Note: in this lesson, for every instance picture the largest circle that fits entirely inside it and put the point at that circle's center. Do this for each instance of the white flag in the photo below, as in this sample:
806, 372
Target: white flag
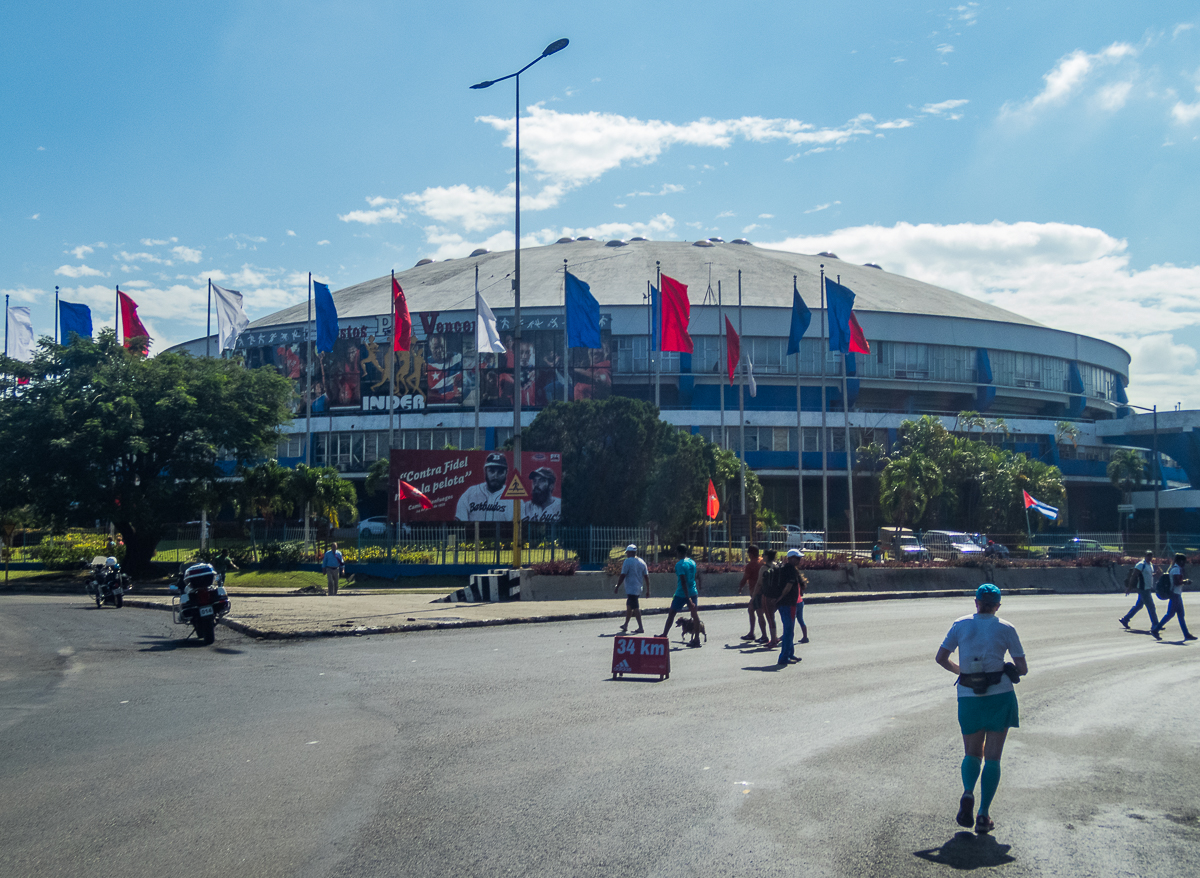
231, 317
487, 338
20, 334
750, 376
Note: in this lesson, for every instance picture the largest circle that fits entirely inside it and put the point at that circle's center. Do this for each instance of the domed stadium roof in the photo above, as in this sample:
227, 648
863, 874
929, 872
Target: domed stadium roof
617, 272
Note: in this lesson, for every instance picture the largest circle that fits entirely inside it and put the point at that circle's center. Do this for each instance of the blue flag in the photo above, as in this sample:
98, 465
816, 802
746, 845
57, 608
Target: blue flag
801, 318
327, 319
840, 301
655, 319
583, 315
74, 318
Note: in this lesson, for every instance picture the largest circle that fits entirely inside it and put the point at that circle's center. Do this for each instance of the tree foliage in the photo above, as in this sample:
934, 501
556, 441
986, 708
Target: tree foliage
1126, 470
102, 432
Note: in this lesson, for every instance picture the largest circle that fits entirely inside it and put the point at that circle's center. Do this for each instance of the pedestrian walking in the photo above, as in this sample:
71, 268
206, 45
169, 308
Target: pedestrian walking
749, 580
766, 592
333, 564
1175, 602
635, 576
791, 582
1143, 579
687, 593
987, 702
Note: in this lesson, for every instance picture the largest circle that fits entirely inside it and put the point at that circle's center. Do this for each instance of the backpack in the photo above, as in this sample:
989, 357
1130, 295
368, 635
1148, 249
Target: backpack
1162, 588
772, 586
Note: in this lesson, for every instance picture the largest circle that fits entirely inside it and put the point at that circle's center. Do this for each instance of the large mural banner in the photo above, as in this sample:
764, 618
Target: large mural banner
467, 485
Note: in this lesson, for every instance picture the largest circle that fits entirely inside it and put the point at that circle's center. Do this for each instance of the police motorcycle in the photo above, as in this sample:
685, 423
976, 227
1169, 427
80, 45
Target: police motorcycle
199, 599
108, 584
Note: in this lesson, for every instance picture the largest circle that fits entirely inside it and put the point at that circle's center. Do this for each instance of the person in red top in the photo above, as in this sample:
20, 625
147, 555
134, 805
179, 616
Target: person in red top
750, 578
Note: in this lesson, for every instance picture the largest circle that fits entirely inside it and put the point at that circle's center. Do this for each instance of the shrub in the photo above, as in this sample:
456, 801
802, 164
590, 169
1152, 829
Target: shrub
556, 568
282, 556
71, 550
240, 556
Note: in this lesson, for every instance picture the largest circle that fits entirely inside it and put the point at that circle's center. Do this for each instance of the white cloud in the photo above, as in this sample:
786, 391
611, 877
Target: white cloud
81, 251
1070, 277
78, 271
766, 216
944, 49
186, 254
1179, 28
725, 213
750, 228
896, 123
1185, 114
384, 210
322, 243
450, 245
1068, 77
1113, 96
821, 207
23, 294
125, 256
158, 242
290, 233
35, 216
475, 208
667, 189
945, 107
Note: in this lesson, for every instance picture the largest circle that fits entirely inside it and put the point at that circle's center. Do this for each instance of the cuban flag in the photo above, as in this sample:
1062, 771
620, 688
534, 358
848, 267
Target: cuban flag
1045, 508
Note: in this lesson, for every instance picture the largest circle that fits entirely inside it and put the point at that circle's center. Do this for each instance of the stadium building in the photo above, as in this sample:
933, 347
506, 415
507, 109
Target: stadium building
933, 351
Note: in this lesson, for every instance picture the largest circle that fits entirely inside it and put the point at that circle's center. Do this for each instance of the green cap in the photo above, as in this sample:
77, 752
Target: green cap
987, 594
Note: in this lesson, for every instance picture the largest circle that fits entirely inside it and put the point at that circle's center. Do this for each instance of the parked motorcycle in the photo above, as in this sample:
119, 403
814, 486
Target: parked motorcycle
199, 600
108, 584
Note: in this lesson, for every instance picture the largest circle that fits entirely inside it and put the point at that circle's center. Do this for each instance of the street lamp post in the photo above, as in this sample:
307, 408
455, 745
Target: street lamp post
556, 46
1157, 466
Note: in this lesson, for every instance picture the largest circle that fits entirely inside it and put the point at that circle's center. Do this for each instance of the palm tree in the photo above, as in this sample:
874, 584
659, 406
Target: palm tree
323, 492
1126, 470
999, 425
968, 420
1065, 431
264, 490
906, 486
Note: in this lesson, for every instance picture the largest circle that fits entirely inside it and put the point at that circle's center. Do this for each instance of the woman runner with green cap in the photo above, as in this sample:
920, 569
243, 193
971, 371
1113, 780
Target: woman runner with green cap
987, 703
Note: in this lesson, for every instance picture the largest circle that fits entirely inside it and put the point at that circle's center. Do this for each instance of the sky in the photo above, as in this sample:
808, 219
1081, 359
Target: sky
1041, 156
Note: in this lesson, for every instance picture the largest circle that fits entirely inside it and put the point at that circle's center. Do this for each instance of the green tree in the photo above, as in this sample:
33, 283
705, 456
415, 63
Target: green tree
1065, 431
104, 432
265, 489
1126, 470
906, 486
969, 420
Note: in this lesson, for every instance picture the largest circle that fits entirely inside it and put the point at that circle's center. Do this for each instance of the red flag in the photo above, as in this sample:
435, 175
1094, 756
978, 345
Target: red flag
401, 319
714, 505
131, 326
408, 492
676, 312
733, 349
858, 341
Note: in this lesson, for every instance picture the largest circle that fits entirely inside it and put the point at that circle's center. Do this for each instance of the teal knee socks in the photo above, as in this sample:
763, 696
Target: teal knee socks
991, 780
970, 772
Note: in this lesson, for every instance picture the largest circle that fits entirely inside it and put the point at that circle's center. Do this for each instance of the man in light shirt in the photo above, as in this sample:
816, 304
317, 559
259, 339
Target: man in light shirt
635, 576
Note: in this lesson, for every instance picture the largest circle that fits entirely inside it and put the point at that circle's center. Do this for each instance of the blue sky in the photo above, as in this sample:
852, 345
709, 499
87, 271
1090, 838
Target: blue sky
1041, 156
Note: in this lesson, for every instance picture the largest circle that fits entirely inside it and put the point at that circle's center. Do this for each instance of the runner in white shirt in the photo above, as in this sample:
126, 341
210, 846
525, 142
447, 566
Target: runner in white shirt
635, 576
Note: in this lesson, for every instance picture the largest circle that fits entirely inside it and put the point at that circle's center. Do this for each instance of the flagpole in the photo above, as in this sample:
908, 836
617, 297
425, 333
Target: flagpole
392, 370
849, 453
724, 357
308, 394
824, 429
566, 342
478, 356
56, 341
799, 436
649, 337
208, 320
741, 397
116, 314
658, 359
6, 329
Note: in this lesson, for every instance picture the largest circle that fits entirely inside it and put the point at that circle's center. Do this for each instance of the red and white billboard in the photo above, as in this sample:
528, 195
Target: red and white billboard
467, 485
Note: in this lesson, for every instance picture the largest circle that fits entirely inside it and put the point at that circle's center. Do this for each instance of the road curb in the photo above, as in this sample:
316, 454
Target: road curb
364, 630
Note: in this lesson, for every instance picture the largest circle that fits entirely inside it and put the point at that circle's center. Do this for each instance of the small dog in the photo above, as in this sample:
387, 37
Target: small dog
686, 627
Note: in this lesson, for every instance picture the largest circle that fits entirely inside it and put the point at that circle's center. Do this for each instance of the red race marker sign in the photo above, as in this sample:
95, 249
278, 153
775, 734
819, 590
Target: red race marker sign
641, 655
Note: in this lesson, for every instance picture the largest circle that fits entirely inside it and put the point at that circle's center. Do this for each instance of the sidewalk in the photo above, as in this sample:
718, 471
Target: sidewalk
290, 616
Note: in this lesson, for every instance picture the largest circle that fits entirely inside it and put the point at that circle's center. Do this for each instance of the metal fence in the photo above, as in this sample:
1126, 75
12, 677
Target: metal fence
492, 542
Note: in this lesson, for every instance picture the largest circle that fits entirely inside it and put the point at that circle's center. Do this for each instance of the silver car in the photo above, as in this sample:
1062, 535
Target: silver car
950, 544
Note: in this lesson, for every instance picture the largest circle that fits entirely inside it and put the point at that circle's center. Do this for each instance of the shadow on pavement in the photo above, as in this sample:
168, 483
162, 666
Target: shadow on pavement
966, 850
170, 644
774, 666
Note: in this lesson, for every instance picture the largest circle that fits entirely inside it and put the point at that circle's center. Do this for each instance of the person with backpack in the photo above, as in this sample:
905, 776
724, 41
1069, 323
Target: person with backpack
1141, 580
1175, 601
791, 585
767, 593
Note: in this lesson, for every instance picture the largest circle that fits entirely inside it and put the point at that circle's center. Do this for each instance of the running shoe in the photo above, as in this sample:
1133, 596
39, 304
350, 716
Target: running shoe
749, 636
984, 824
1123, 622
1189, 637
966, 810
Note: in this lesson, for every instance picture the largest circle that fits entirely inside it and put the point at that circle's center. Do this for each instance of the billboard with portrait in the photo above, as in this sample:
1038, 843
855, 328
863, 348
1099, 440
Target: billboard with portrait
467, 485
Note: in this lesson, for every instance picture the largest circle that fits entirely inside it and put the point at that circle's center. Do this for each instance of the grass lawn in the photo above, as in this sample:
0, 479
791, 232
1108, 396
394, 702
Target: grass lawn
291, 580
43, 576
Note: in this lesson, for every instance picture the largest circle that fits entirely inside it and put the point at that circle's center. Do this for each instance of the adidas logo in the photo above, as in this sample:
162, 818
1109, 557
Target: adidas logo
623, 667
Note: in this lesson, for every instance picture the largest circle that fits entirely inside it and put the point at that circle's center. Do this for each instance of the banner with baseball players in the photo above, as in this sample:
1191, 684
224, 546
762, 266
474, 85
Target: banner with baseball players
468, 485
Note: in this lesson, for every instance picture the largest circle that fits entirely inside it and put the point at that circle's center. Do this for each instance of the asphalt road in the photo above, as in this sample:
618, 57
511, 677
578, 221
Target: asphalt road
127, 751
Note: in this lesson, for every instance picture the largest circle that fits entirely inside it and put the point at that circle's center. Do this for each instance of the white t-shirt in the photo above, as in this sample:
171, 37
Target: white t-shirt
477, 503
1147, 569
1176, 587
552, 511
635, 571
981, 640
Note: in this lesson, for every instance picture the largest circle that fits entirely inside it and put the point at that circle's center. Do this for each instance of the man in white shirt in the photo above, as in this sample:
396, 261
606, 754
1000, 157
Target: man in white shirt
1145, 591
1175, 603
332, 564
635, 576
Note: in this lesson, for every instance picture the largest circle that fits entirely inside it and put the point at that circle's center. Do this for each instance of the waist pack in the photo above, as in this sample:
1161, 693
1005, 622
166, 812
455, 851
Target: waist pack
980, 683
1162, 588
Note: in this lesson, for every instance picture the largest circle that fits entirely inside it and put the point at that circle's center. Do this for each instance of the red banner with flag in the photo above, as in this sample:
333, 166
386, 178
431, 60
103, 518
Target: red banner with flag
676, 312
131, 326
858, 340
408, 492
733, 349
713, 506
401, 319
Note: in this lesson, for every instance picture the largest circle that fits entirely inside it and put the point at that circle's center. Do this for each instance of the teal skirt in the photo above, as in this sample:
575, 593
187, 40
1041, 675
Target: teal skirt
992, 713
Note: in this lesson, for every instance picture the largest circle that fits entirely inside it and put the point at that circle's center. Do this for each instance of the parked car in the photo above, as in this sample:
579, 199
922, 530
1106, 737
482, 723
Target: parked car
949, 544
911, 549
376, 526
1076, 548
797, 538
203, 528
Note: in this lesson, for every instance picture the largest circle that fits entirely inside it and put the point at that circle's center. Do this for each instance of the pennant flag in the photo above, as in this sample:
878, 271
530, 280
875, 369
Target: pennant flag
401, 319
858, 341
131, 326
676, 312
1045, 508
713, 506
750, 376
655, 319
327, 319
19, 334
840, 302
583, 315
487, 337
231, 317
408, 492
733, 349
801, 318
74, 318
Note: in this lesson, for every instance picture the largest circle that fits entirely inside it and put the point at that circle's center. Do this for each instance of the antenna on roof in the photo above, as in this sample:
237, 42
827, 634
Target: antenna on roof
710, 297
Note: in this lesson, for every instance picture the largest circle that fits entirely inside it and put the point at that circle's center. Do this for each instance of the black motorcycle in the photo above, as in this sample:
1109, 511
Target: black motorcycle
108, 585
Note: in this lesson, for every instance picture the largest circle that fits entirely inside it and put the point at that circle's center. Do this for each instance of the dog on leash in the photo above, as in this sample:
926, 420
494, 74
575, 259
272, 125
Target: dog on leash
694, 629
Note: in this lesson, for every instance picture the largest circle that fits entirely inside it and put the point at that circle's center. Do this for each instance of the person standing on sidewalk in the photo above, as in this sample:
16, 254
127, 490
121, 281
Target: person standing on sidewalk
1175, 603
750, 580
1145, 592
333, 564
687, 593
634, 576
791, 581
987, 702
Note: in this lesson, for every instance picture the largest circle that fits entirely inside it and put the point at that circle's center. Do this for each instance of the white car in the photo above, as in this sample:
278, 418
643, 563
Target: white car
375, 526
801, 539
949, 544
